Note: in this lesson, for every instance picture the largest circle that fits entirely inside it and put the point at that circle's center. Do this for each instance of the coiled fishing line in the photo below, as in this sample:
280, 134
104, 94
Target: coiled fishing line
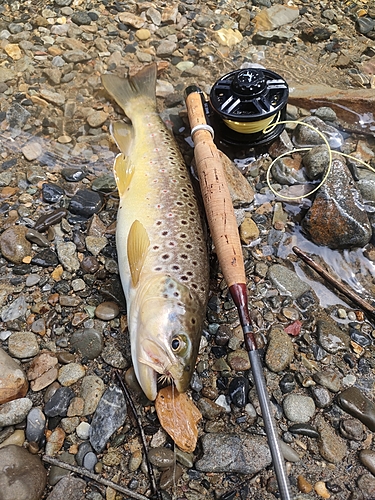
296, 150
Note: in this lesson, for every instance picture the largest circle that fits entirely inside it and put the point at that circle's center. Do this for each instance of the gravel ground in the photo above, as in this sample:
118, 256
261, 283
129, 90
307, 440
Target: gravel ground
61, 304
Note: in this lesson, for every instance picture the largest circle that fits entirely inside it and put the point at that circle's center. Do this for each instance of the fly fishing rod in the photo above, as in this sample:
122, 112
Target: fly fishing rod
224, 232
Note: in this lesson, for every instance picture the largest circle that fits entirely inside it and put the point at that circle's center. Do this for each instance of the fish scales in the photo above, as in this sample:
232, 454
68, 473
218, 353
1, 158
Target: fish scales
161, 248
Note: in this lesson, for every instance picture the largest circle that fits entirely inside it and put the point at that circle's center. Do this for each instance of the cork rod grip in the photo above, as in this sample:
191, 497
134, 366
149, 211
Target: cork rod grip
216, 196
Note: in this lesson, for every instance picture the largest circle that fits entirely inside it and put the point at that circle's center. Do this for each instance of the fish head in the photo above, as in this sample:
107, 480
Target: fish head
168, 334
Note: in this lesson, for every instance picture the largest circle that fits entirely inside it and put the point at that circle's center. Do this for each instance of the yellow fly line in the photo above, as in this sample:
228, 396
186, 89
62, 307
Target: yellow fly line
253, 127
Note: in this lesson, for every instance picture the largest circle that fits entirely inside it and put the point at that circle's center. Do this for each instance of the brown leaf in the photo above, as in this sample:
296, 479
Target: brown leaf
178, 416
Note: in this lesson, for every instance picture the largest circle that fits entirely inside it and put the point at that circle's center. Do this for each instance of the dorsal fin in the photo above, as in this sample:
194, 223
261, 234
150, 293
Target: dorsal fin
123, 134
138, 243
123, 171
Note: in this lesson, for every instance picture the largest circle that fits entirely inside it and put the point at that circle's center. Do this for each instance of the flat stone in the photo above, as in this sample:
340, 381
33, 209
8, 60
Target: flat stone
275, 17
131, 20
58, 404
23, 345
331, 337
22, 475
280, 350
367, 457
68, 487
35, 426
52, 97
348, 103
161, 457
107, 311
249, 231
97, 118
109, 416
13, 382
15, 411
179, 417
16, 309
13, 244
69, 374
67, 255
287, 281
298, 408
328, 379
95, 244
237, 453
88, 341
354, 402
55, 441
331, 446
32, 150
337, 203
92, 389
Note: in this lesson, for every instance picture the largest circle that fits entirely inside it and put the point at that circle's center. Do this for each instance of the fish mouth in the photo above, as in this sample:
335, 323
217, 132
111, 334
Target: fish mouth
150, 371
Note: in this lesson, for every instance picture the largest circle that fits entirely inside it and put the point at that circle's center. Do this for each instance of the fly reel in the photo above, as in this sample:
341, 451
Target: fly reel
246, 106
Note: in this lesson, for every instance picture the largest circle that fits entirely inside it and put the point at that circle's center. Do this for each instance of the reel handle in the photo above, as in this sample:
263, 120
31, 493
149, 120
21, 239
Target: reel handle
215, 192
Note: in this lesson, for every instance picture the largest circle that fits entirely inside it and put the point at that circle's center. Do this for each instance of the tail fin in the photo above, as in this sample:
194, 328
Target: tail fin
143, 84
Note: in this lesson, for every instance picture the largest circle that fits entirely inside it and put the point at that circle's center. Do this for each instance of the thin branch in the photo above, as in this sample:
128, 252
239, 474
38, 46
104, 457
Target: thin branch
150, 469
95, 477
363, 304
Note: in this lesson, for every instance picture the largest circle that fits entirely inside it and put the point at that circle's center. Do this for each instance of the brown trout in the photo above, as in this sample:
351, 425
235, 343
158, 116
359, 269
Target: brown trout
162, 253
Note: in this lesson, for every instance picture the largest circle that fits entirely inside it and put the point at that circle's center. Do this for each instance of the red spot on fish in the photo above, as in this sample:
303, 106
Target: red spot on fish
294, 328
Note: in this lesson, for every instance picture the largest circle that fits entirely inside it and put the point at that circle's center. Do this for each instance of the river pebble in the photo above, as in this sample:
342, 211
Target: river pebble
16, 309
108, 417
86, 203
35, 425
24, 476
58, 404
280, 350
331, 337
55, 441
233, 453
13, 382
354, 402
328, 379
161, 457
91, 391
351, 429
74, 485
367, 457
88, 341
298, 408
15, 411
69, 374
23, 345
331, 447
13, 244
107, 310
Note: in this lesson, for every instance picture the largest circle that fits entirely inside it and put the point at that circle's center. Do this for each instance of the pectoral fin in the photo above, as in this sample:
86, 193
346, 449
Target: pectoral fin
123, 171
138, 244
123, 134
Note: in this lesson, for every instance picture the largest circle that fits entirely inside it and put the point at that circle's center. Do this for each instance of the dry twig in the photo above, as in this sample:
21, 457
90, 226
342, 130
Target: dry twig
95, 477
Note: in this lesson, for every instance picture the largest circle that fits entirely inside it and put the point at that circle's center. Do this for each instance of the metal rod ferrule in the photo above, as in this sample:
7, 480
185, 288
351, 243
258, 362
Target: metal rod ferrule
269, 424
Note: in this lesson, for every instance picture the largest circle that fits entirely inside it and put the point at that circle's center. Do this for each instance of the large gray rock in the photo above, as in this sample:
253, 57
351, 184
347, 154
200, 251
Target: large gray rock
239, 453
22, 475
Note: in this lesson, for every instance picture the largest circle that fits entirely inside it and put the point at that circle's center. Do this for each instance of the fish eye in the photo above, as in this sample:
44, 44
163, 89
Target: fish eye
179, 344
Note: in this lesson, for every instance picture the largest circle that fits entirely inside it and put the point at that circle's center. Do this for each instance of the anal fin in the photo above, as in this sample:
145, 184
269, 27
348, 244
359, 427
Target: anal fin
138, 244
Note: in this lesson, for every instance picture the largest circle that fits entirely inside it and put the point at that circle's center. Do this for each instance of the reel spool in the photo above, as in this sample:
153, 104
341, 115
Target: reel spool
245, 102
